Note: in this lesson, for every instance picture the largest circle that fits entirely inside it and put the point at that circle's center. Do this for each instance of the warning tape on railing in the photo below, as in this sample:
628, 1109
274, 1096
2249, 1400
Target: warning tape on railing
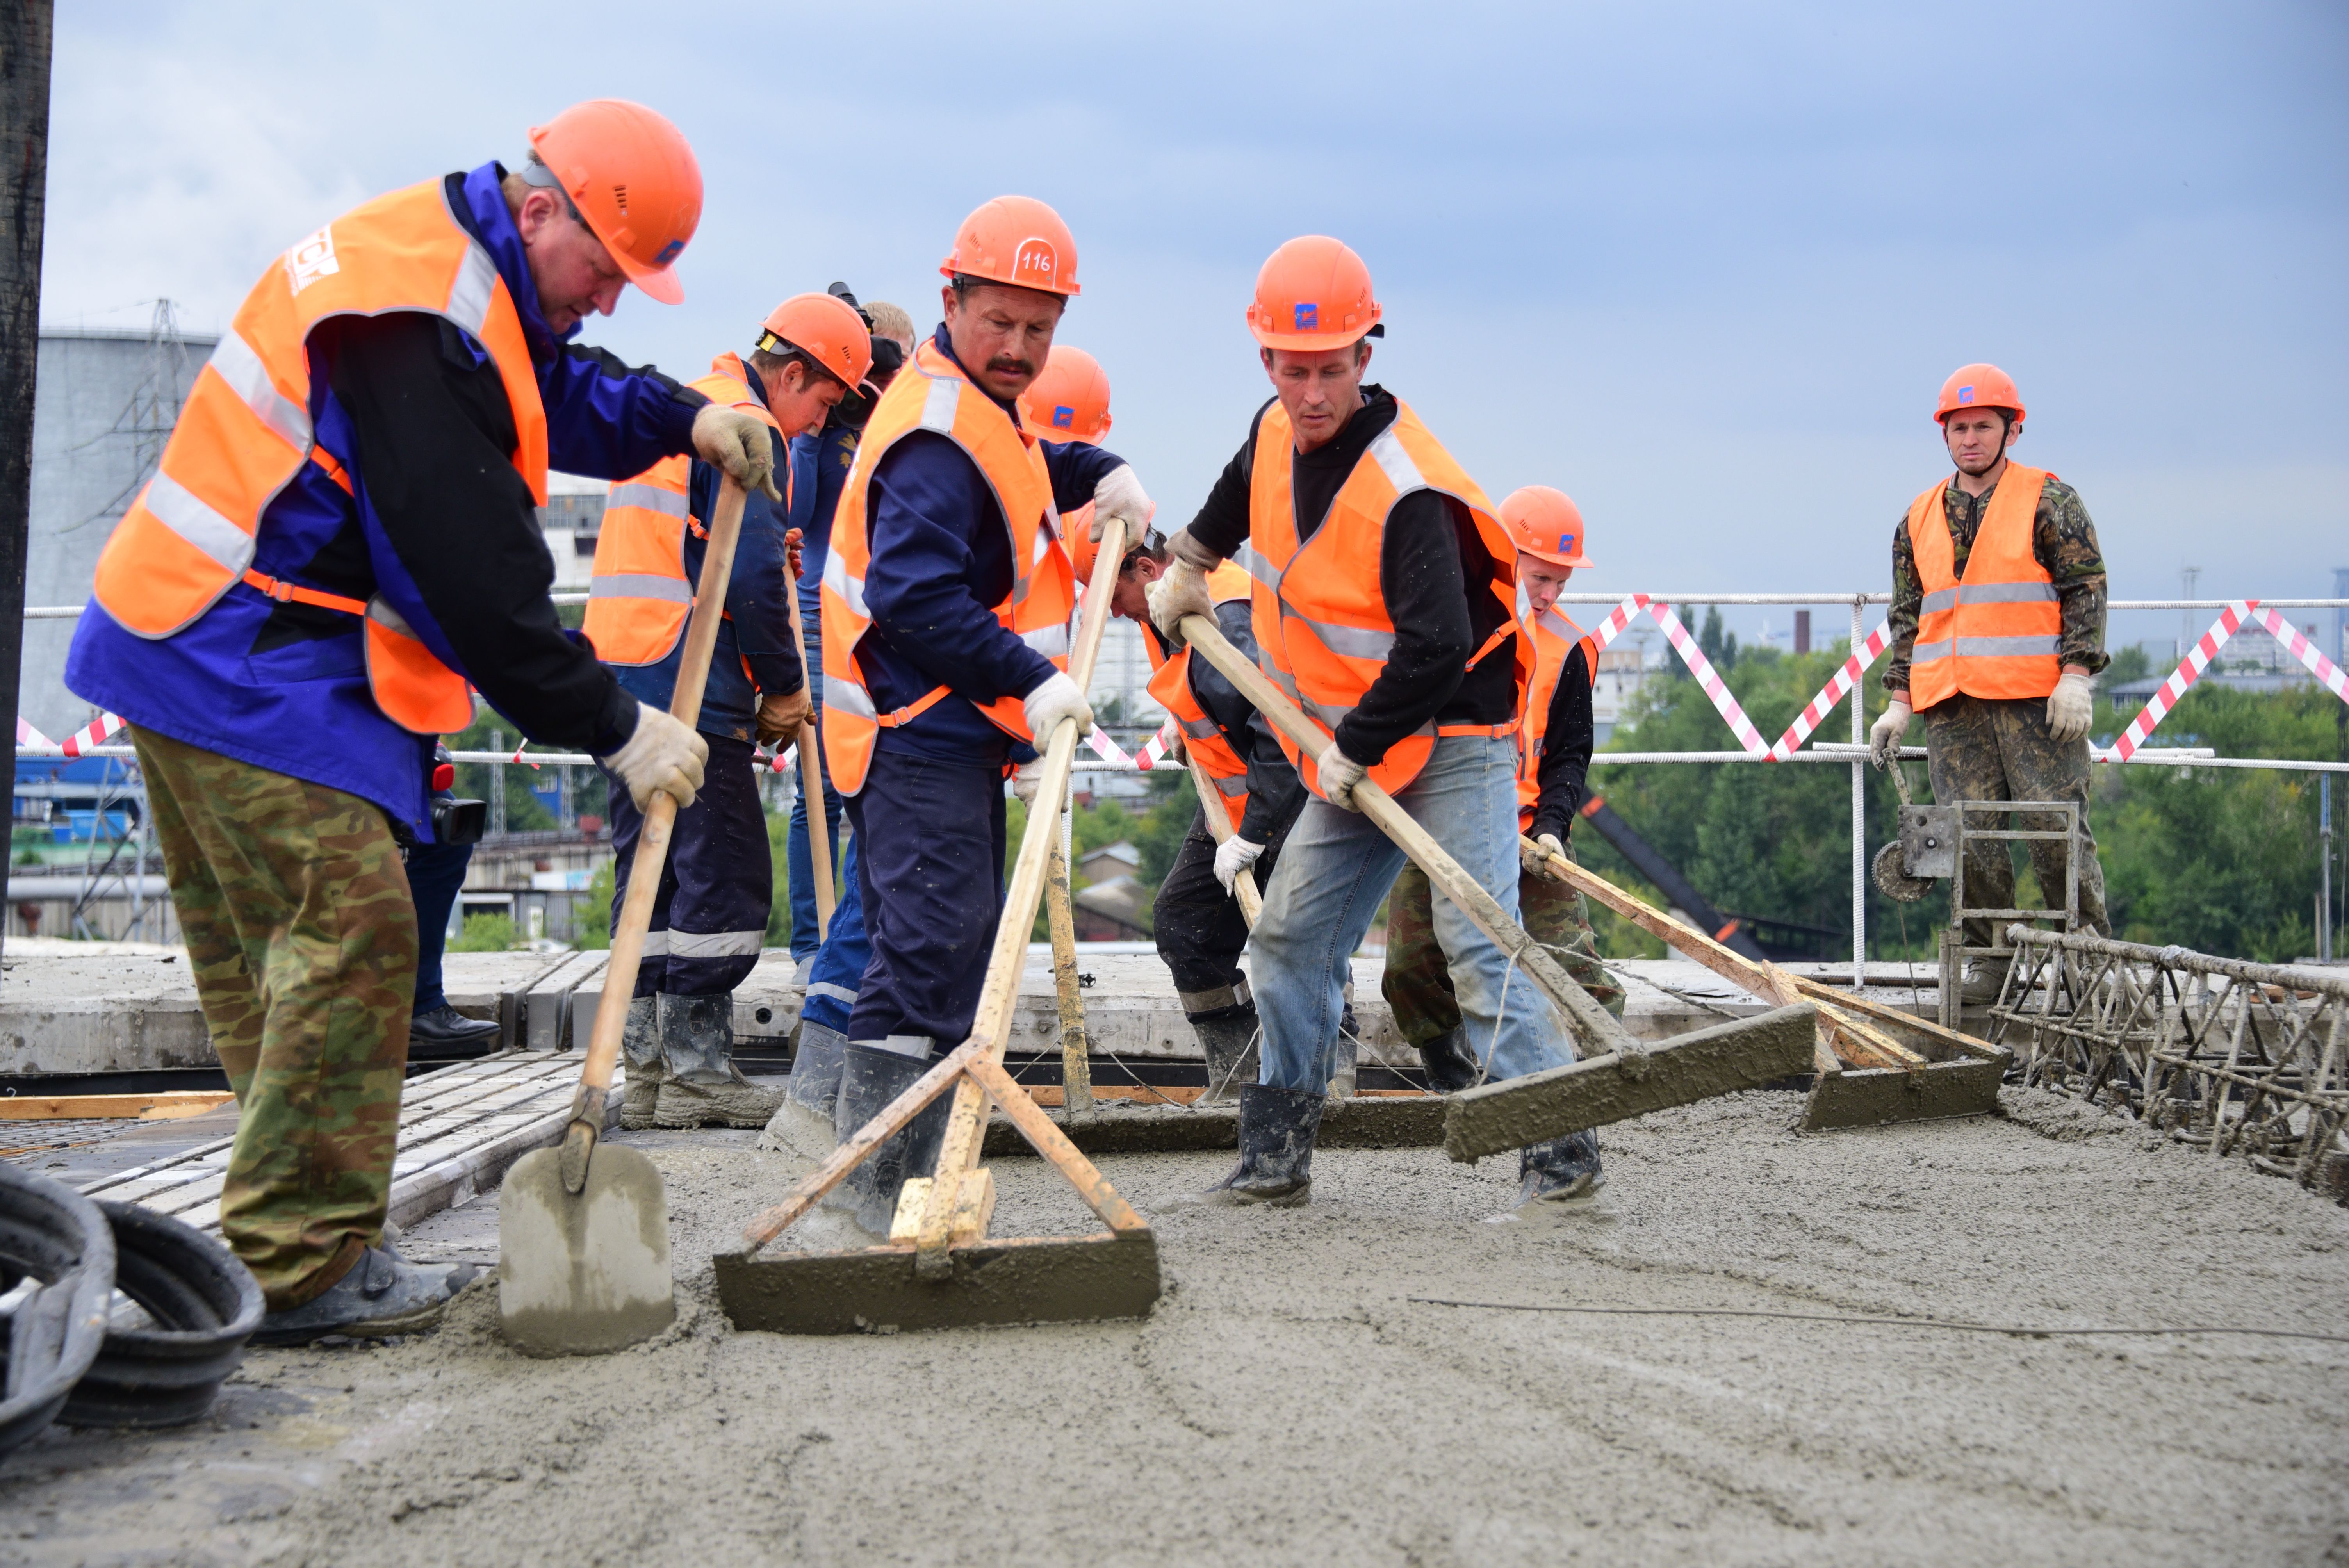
2232, 619
1707, 678
1833, 693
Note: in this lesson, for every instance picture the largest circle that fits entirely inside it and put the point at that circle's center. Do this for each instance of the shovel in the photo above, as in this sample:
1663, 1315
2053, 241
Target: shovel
583, 1232
811, 789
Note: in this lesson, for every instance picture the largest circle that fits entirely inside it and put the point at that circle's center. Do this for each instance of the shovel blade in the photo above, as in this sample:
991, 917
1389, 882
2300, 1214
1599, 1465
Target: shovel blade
586, 1273
1745, 1054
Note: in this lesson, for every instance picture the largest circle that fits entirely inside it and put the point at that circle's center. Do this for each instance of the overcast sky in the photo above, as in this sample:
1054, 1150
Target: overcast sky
1703, 267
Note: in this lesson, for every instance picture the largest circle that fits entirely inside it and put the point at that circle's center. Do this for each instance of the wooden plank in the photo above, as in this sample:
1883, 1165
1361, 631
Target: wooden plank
169, 1104
1054, 1145
1076, 1051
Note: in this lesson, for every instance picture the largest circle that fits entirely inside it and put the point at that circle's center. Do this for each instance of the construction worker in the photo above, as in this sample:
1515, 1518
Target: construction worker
1384, 600
709, 917
1997, 628
946, 600
340, 536
1554, 762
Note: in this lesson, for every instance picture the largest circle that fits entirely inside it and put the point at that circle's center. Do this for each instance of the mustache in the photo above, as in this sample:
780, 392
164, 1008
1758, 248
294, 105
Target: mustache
1011, 365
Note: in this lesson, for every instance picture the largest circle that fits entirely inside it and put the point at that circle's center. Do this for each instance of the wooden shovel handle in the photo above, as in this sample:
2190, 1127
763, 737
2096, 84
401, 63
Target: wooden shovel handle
811, 789
1219, 827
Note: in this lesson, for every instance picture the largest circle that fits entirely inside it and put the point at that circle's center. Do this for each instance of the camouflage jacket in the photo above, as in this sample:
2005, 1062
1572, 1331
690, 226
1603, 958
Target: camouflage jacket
2063, 540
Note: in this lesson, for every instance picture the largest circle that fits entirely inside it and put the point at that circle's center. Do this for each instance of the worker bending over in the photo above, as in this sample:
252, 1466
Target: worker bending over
946, 600
1553, 752
1384, 600
710, 916
340, 536
1998, 623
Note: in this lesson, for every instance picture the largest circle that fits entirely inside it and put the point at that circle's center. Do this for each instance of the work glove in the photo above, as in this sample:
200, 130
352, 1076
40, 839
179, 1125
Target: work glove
1027, 778
792, 554
1884, 735
1340, 773
779, 717
1120, 494
1535, 857
1055, 700
1182, 591
1233, 856
662, 754
729, 440
2072, 708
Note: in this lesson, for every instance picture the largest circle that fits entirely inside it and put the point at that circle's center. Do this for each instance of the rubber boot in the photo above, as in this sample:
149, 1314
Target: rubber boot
1979, 985
1450, 1067
870, 1078
1344, 1056
1227, 1037
704, 1087
1562, 1173
1277, 1127
640, 1044
803, 1124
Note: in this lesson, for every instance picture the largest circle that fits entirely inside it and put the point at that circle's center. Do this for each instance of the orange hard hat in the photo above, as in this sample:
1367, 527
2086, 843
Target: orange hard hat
1312, 293
1546, 522
1978, 386
1069, 401
1015, 240
827, 329
635, 181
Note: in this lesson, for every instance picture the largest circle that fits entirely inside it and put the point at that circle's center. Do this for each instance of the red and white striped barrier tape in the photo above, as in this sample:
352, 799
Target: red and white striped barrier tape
28, 736
98, 732
2189, 670
2295, 642
1834, 692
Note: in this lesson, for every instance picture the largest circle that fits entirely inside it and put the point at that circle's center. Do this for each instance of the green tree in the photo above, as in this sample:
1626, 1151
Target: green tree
486, 933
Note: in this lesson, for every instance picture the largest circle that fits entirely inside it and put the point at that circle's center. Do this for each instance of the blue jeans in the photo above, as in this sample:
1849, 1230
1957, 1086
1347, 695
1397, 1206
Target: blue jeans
838, 973
798, 858
1334, 872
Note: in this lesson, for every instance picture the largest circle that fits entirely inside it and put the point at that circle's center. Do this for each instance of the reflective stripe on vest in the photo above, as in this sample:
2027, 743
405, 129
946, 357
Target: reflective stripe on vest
1323, 634
245, 431
1996, 632
639, 596
932, 393
1204, 740
1554, 638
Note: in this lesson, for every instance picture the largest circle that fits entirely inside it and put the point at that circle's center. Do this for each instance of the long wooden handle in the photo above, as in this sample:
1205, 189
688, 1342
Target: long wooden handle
1597, 1030
652, 847
1219, 827
811, 789
1076, 1051
1000, 994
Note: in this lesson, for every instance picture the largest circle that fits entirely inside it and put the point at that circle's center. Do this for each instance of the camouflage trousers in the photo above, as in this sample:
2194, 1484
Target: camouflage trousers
1981, 749
1417, 984
302, 936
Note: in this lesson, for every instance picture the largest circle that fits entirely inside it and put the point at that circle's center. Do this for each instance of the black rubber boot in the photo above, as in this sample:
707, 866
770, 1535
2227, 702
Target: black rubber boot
1277, 1127
640, 1044
870, 1078
704, 1087
1563, 1171
1227, 1036
803, 1124
1450, 1068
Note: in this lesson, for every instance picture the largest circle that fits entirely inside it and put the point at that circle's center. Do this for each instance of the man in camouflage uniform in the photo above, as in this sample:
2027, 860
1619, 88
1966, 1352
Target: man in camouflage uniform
2004, 747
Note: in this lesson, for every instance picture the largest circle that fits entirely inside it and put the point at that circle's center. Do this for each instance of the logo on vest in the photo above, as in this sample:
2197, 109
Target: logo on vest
1309, 318
1036, 259
312, 259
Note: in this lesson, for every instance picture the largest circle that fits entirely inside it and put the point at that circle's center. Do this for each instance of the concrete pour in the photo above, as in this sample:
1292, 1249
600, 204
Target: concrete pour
1288, 1402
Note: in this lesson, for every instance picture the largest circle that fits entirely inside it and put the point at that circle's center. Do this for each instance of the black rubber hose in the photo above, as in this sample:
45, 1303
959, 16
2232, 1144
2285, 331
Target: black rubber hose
205, 1305
51, 1233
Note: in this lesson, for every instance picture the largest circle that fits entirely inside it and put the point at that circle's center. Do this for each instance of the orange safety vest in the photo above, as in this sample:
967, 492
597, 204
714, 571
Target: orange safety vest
1323, 634
1203, 738
932, 393
639, 596
1554, 638
1996, 633
245, 432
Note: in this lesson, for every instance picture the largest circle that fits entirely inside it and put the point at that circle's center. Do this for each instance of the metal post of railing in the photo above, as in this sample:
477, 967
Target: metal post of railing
1859, 816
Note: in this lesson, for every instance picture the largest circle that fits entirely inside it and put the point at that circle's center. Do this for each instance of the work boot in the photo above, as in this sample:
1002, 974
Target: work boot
1275, 1170
445, 1034
704, 1087
803, 1124
1227, 1037
1561, 1173
640, 1044
870, 1078
381, 1295
1981, 983
1450, 1067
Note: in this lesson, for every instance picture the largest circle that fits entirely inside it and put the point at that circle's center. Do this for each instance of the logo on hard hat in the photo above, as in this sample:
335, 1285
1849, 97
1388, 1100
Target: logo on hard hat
1063, 417
1965, 393
1307, 317
1038, 257
1566, 544
668, 253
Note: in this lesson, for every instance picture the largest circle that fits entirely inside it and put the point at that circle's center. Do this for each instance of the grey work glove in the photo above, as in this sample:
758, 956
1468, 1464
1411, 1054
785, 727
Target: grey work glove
1339, 773
1049, 703
1884, 735
1233, 856
1182, 591
729, 440
664, 754
1120, 494
2072, 708
1535, 857
1027, 778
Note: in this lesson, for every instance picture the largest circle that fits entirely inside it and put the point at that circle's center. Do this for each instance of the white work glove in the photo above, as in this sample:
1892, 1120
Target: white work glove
2072, 708
1120, 494
1340, 773
729, 440
664, 754
1182, 590
1884, 735
1233, 856
1027, 778
1536, 857
1056, 700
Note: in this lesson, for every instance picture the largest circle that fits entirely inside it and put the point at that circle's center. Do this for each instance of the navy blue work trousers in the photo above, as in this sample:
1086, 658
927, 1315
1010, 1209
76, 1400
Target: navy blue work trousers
435, 874
710, 919
929, 862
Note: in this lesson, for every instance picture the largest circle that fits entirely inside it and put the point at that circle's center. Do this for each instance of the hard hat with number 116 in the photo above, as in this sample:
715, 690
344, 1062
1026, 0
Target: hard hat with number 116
1016, 239
635, 181
1547, 523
